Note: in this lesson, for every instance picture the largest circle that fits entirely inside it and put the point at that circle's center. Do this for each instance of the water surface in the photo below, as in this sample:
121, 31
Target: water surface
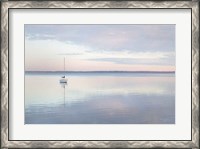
100, 98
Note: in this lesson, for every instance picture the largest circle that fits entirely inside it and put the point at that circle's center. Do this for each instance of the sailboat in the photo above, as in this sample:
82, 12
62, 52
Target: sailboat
63, 78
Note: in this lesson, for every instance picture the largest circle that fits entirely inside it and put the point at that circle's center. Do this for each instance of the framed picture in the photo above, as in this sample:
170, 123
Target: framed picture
99, 74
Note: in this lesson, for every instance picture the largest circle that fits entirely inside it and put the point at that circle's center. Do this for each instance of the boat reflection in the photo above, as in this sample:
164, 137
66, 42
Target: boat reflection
63, 84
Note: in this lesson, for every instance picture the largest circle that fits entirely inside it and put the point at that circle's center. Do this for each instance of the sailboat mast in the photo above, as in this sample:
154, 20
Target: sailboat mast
64, 64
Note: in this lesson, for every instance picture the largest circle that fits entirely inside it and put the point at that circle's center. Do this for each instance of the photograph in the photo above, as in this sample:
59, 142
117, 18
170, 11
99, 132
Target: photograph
99, 73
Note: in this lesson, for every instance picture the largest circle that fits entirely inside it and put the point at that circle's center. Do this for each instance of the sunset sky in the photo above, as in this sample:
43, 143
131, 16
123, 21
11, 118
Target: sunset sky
100, 47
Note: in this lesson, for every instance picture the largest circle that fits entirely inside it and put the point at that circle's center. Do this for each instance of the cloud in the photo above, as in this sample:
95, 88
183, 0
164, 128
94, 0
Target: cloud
70, 54
39, 36
120, 46
109, 37
132, 61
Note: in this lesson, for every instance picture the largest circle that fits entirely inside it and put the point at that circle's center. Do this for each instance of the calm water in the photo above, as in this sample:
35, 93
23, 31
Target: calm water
100, 98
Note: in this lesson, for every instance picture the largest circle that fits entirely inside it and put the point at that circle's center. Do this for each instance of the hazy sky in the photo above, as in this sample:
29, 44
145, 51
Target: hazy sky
100, 47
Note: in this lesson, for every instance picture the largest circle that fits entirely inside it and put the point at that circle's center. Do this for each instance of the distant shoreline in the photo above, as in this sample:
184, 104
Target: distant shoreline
99, 71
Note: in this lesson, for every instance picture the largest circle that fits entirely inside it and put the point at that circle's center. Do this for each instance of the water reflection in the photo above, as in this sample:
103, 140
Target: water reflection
100, 99
63, 84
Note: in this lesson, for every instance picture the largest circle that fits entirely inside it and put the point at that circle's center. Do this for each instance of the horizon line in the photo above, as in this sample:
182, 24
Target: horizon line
98, 71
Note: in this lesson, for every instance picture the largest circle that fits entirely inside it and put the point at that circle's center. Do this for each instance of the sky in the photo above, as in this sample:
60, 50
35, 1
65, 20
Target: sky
100, 47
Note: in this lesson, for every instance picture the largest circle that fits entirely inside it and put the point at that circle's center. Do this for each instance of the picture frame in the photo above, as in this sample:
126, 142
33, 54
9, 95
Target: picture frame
7, 6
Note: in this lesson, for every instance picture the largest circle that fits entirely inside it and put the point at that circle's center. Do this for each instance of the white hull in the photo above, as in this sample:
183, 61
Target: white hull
63, 80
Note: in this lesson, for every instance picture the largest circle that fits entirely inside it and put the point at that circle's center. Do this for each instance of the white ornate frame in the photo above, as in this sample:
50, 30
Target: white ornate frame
6, 143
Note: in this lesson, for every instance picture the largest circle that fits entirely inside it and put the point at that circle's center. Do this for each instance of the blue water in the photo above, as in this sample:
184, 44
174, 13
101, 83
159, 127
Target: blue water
100, 98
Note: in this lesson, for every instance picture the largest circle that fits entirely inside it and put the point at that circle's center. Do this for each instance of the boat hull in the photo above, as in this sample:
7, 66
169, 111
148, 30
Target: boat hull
63, 80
